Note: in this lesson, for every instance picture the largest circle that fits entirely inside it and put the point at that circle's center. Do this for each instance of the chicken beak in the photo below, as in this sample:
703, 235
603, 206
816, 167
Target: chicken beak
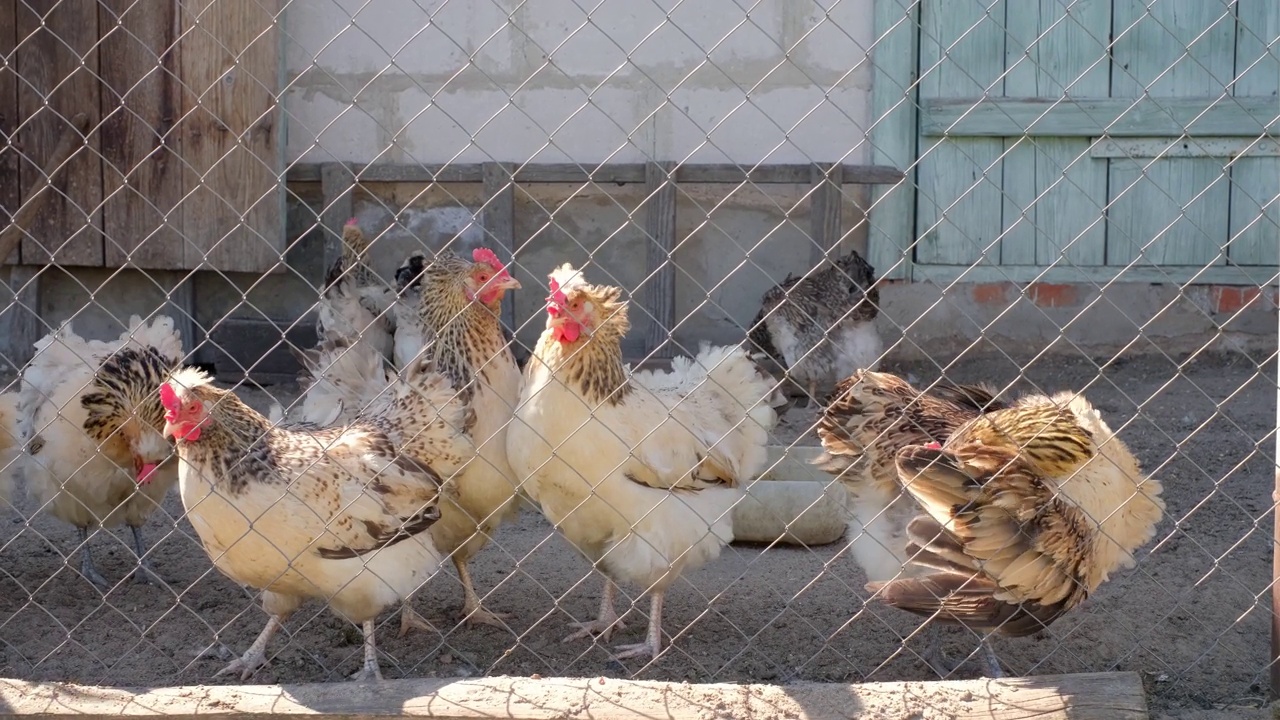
507, 283
168, 431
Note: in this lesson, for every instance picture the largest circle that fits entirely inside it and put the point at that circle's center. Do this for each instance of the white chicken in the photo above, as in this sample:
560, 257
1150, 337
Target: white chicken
639, 471
85, 452
339, 514
355, 304
10, 445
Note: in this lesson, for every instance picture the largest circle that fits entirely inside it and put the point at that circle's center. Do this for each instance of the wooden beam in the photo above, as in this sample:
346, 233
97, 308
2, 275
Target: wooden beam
825, 205
500, 223
1093, 117
891, 232
1255, 276
619, 174
20, 322
337, 187
1092, 696
660, 278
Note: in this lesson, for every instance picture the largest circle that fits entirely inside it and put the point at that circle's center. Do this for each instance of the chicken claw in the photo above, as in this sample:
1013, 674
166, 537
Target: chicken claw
606, 622
256, 656
370, 671
480, 616
411, 620
652, 646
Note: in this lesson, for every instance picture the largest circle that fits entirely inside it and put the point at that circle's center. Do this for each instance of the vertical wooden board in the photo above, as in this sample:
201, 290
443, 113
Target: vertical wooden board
826, 205
500, 223
142, 170
1023, 28
57, 59
960, 199
1071, 186
1172, 48
660, 286
891, 236
10, 189
1255, 182
229, 66
1174, 224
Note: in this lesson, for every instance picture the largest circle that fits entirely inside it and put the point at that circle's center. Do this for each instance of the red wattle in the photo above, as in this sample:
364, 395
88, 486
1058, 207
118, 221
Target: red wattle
145, 473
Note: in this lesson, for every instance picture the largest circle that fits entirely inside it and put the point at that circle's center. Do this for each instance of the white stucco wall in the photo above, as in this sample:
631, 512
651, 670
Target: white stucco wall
474, 80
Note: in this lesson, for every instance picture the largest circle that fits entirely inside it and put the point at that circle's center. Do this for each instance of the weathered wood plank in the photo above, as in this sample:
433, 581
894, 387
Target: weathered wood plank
142, 174
1054, 192
1212, 114
43, 191
620, 173
825, 205
229, 66
1062, 273
1170, 212
20, 323
1172, 147
1255, 180
58, 62
892, 227
1092, 696
11, 189
337, 188
660, 282
500, 223
959, 210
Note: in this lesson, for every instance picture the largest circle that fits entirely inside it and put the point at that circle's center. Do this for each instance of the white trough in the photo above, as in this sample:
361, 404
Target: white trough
793, 503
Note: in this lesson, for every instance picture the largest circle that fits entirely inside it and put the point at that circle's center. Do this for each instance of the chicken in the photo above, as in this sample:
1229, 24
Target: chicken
340, 514
1027, 510
355, 303
871, 416
411, 336
460, 301
91, 458
821, 326
639, 471
10, 446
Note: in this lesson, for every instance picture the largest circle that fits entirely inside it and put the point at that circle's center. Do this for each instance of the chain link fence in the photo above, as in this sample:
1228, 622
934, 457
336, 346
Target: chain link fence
1069, 195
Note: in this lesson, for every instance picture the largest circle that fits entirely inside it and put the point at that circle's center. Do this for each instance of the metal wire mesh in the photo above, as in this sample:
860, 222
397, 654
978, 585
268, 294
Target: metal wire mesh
1063, 195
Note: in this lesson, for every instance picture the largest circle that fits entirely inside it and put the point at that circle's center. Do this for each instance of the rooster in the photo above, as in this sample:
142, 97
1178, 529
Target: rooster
1027, 509
639, 471
821, 326
459, 306
91, 458
355, 303
341, 514
871, 416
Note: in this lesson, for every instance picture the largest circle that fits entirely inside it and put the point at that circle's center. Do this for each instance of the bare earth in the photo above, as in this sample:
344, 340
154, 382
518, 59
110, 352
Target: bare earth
1192, 618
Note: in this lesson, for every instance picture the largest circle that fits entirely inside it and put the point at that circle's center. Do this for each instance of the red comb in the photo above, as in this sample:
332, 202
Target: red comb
933, 446
487, 256
352, 221
557, 295
168, 398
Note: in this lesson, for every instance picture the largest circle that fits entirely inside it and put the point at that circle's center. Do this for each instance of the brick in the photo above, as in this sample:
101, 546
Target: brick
1230, 299
1053, 295
992, 293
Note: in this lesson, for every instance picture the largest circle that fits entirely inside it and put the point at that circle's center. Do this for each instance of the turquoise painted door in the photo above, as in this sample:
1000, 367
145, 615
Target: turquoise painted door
1097, 138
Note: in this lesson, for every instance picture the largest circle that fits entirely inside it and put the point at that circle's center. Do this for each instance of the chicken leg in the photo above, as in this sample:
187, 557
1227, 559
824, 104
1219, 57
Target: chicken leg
143, 573
606, 621
411, 620
370, 670
87, 568
472, 613
256, 656
652, 645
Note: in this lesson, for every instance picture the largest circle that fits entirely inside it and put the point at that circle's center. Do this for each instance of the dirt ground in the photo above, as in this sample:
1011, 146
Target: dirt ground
1192, 618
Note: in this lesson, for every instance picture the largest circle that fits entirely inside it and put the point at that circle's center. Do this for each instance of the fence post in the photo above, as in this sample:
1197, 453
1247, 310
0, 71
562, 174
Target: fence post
660, 283
500, 220
1275, 556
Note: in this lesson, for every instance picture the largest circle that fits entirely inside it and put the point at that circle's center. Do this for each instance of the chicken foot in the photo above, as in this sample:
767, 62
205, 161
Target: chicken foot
143, 573
606, 622
472, 613
87, 568
370, 671
652, 645
411, 620
941, 664
256, 656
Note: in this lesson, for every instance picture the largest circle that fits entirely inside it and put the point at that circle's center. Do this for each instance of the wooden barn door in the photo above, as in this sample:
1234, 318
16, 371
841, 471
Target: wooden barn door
1099, 136
183, 160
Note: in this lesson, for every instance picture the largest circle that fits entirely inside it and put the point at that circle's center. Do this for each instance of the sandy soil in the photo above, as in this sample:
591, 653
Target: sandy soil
1193, 617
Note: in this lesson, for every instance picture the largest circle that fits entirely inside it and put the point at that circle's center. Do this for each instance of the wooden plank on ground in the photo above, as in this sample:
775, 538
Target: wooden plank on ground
1092, 696
57, 58
499, 222
660, 276
228, 62
826, 201
142, 169
1255, 181
1170, 212
11, 190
